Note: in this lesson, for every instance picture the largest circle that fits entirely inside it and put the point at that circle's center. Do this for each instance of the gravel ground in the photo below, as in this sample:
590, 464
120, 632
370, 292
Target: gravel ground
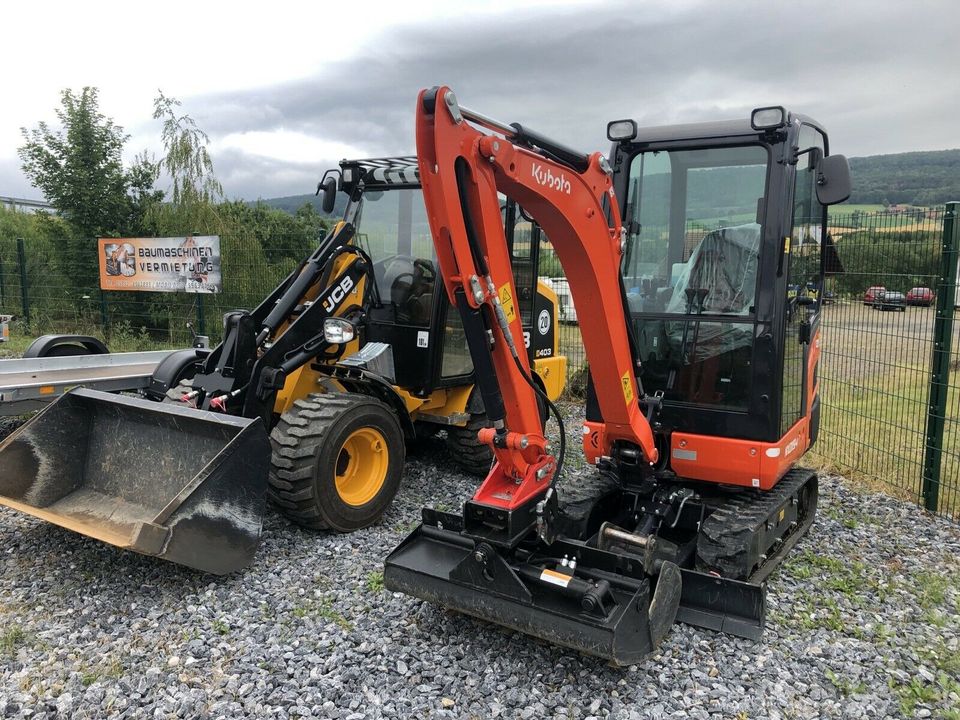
863, 622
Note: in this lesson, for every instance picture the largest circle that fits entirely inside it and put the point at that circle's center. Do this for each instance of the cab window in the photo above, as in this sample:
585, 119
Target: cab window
393, 229
694, 230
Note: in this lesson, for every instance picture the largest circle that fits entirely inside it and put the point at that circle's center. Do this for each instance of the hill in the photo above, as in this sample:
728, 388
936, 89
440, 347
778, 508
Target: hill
292, 203
911, 178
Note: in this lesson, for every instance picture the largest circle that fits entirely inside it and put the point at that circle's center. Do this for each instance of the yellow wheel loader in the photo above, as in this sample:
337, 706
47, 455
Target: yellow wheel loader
309, 399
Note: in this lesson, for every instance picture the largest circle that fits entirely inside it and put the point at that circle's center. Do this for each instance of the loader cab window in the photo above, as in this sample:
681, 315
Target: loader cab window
694, 225
392, 228
523, 239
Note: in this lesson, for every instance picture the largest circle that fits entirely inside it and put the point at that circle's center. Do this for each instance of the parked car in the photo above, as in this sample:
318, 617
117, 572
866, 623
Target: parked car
872, 293
890, 300
922, 296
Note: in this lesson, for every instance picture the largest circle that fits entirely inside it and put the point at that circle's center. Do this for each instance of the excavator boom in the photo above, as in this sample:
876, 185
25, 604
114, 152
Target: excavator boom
462, 170
480, 563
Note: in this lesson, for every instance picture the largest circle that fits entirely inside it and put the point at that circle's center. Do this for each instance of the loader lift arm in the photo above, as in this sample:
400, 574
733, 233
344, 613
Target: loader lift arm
462, 170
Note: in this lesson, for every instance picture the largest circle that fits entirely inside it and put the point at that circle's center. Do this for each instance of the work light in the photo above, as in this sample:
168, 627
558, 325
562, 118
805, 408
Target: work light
338, 331
768, 118
620, 130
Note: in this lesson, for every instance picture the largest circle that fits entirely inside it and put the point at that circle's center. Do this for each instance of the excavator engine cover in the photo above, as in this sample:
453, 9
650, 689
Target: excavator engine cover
173, 482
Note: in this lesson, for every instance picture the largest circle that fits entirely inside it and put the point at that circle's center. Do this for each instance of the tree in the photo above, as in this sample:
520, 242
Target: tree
195, 191
79, 169
186, 161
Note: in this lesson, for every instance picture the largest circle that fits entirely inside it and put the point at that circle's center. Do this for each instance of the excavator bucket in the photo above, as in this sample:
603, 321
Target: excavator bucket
173, 482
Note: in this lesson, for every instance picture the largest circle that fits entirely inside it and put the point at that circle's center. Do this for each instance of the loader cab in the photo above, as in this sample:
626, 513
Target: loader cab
410, 309
725, 223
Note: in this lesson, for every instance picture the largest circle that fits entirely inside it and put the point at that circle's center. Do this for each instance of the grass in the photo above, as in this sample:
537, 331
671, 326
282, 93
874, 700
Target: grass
11, 639
113, 671
121, 338
937, 592
375, 581
843, 685
945, 665
845, 209
324, 610
875, 379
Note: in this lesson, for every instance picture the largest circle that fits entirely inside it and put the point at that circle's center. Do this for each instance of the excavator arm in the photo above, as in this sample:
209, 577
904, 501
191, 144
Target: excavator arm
570, 195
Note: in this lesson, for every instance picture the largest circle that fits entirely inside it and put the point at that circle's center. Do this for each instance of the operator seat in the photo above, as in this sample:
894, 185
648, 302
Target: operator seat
410, 285
724, 265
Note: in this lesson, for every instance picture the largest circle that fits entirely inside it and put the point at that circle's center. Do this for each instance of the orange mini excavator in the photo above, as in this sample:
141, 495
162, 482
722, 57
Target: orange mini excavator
683, 257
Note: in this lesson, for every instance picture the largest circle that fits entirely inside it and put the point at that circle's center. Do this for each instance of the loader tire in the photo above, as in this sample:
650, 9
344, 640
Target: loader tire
337, 461
466, 450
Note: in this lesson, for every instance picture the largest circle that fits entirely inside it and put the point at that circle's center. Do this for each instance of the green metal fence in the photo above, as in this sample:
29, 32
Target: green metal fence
890, 376
51, 286
890, 403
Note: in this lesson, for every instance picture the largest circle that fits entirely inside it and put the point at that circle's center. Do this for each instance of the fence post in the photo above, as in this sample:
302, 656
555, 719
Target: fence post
104, 313
3, 285
24, 291
940, 360
201, 320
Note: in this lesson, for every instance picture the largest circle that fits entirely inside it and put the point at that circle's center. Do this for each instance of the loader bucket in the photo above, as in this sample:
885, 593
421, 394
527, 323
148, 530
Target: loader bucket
173, 482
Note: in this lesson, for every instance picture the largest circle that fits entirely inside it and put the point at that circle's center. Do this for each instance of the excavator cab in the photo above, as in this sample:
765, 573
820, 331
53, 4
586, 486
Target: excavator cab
722, 220
679, 251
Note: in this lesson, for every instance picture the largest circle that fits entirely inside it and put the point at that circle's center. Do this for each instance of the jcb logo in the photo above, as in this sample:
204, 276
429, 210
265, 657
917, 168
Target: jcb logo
338, 293
546, 177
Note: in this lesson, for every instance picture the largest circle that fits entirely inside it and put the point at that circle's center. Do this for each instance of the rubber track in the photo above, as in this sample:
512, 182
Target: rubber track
466, 450
294, 440
726, 541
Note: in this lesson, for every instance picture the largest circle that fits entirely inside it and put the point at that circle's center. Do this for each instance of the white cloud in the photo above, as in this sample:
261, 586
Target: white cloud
286, 145
286, 89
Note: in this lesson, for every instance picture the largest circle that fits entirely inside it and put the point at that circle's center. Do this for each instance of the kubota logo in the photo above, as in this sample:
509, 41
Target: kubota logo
339, 293
546, 177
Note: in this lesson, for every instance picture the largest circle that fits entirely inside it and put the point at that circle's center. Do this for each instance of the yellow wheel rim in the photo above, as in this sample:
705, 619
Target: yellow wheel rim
362, 466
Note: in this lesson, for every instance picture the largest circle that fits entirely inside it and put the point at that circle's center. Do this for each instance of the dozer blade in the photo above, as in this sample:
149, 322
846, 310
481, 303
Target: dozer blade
173, 482
438, 564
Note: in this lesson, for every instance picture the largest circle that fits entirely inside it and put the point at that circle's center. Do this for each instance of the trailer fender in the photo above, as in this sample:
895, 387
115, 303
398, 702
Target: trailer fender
177, 366
64, 345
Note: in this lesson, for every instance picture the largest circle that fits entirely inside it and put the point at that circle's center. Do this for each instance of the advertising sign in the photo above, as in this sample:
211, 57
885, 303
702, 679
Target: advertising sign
172, 264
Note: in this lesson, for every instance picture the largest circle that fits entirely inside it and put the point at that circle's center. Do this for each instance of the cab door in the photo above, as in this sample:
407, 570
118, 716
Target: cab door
804, 287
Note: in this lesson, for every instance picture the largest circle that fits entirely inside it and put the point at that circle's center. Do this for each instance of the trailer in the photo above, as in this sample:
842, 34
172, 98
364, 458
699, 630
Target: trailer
28, 384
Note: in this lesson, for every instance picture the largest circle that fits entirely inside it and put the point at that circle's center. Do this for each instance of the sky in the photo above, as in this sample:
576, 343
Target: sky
285, 90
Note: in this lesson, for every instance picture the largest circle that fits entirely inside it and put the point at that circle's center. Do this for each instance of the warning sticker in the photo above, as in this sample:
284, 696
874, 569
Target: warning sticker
627, 387
506, 299
555, 578
786, 245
